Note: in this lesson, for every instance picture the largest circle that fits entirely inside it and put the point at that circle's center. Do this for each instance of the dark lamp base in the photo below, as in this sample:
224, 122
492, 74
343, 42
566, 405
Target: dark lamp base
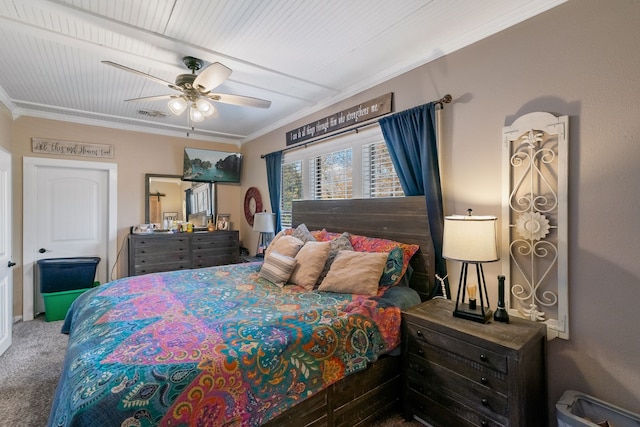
464, 312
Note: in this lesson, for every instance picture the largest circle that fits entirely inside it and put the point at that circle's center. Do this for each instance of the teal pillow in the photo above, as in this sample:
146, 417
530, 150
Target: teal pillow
393, 269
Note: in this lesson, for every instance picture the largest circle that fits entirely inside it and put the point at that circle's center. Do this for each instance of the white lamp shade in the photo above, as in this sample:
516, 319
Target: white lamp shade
470, 238
205, 107
195, 114
264, 222
177, 105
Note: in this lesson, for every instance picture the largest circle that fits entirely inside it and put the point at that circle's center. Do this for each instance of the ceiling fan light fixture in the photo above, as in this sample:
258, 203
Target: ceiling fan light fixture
178, 105
195, 115
205, 107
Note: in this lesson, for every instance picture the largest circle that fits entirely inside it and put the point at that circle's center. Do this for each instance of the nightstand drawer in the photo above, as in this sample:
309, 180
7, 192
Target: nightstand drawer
476, 355
479, 375
442, 411
421, 375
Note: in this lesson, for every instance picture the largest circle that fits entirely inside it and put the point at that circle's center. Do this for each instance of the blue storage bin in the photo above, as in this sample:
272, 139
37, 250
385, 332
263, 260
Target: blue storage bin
575, 409
66, 274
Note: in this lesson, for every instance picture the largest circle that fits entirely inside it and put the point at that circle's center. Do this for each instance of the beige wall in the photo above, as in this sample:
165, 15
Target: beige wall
135, 154
580, 59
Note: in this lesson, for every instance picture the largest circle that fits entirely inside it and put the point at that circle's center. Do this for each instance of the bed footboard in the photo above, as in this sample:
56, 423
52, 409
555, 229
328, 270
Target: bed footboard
354, 401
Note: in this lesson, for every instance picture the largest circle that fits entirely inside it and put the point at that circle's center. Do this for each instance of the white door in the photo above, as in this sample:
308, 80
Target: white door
69, 216
6, 282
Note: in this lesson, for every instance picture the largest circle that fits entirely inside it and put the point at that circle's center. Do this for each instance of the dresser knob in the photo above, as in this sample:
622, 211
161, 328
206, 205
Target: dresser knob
419, 333
142, 252
485, 402
484, 423
421, 352
483, 357
484, 380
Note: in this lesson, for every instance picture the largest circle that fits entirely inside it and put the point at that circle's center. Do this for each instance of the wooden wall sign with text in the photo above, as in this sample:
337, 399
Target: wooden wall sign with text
69, 148
351, 116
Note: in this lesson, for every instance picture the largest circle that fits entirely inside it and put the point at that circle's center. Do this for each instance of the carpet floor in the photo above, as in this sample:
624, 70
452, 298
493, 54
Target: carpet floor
30, 369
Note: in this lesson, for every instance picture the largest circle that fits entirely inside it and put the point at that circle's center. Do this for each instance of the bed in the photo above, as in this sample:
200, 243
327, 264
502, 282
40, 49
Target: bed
224, 346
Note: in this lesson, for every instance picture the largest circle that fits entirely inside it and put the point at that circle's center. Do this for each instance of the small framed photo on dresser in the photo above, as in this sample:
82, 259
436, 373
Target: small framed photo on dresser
222, 221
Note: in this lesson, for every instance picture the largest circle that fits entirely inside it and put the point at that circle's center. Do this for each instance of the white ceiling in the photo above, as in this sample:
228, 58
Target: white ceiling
300, 55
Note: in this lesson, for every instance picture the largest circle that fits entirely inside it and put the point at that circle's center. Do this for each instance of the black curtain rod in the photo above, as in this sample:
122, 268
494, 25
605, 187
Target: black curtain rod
444, 100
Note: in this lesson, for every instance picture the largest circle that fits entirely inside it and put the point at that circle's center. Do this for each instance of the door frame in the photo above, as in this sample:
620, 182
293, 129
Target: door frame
29, 238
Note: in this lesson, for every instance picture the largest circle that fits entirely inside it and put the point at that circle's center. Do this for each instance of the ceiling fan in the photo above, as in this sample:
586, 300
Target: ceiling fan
195, 89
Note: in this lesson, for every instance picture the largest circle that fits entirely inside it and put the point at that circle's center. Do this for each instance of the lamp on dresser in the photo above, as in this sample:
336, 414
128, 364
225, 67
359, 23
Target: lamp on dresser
472, 240
263, 223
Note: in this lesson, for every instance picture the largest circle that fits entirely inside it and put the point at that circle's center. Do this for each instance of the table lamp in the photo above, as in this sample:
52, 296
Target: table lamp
471, 240
263, 223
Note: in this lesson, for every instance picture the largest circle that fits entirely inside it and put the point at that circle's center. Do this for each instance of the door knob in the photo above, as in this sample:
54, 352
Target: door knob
42, 250
10, 264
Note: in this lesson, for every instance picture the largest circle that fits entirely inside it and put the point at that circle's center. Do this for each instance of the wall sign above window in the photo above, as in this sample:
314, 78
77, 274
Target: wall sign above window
70, 148
351, 116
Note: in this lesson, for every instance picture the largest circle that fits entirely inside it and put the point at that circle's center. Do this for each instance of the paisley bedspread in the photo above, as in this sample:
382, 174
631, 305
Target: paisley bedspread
210, 347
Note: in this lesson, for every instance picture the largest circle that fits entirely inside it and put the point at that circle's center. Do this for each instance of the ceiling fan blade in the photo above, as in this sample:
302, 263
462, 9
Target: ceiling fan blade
149, 98
211, 77
245, 101
140, 73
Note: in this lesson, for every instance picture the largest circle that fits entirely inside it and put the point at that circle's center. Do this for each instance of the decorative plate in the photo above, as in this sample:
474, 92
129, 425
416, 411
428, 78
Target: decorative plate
252, 204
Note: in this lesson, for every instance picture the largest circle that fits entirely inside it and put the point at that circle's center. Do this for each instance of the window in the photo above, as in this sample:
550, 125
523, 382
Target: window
379, 177
291, 189
331, 175
356, 165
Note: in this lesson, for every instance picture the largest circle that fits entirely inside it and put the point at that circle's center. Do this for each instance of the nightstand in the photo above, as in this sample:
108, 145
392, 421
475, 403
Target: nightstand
462, 373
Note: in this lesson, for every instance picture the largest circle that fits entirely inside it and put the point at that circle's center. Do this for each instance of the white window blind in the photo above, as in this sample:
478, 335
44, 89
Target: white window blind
379, 177
331, 175
291, 189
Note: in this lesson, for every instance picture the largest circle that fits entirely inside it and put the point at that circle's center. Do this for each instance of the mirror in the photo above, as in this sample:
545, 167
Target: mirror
169, 197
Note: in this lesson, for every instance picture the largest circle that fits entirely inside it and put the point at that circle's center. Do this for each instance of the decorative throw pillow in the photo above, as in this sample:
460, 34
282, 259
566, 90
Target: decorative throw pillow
341, 243
393, 269
355, 273
285, 245
372, 244
311, 259
277, 268
302, 233
324, 235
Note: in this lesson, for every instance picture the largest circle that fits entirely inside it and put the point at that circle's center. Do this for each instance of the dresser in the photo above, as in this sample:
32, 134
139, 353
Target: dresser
152, 253
461, 373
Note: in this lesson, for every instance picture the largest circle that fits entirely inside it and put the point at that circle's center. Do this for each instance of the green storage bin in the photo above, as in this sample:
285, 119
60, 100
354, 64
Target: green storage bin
56, 304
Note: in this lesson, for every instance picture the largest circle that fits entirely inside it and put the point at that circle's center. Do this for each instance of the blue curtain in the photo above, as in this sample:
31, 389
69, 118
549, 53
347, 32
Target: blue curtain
274, 180
410, 136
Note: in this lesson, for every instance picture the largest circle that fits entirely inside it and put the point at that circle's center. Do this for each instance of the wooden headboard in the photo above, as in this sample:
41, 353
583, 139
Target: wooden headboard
403, 219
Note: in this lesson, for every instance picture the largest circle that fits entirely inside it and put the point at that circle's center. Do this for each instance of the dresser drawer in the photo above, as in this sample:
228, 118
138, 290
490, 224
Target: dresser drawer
422, 375
152, 246
442, 411
216, 239
478, 356
161, 258
157, 268
211, 261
